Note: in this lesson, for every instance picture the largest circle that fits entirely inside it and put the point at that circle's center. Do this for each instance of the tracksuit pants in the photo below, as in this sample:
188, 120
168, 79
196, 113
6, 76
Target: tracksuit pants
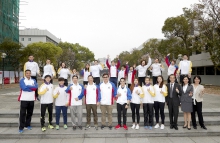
148, 114
135, 108
76, 112
159, 107
49, 108
26, 112
121, 108
64, 112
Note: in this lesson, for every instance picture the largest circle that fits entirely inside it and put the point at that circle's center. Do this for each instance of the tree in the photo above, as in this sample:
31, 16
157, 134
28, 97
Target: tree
41, 52
13, 52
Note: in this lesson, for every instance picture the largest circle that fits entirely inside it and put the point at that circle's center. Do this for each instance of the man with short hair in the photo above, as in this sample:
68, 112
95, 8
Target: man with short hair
34, 68
27, 97
49, 70
95, 69
107, 93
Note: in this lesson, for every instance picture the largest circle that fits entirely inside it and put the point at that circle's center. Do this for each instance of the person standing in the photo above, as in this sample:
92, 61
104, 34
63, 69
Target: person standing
122, 73
123, 100
34, 68
64, 72
113, 70
91, 99
107, 93
148, 104
172, 68
156, 69
61, 103
185, 69
85, 73
137, 95
76, 93
142, 70
173, 101
197, 102
49, 70
131, 75
186, 101
95, 69
27, 97
46, 93
159, 101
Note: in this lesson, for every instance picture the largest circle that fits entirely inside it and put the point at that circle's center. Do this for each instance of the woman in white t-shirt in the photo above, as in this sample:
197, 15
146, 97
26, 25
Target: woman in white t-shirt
64, 72
85, 73
137, 94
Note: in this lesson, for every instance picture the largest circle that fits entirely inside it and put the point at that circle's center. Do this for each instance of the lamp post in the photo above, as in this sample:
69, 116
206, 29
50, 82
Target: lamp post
3, 56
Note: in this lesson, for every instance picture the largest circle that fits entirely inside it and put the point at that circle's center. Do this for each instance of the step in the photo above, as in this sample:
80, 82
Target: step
13, 122
15, 113
36, 133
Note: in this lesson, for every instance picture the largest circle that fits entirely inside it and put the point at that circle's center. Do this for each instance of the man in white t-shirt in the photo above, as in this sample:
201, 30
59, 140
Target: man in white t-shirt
95, 69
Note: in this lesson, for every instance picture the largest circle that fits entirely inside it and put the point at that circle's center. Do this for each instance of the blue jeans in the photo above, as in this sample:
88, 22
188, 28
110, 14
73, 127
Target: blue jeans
64, 112
114, 80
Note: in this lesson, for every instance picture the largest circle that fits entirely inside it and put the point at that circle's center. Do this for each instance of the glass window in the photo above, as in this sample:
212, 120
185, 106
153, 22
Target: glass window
200, 70
210, 70
29, 39
22, 39
193, 71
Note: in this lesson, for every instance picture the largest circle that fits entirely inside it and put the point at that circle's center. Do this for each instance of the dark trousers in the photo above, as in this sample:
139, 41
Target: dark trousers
26, 112
182, 77
36, 91
114, 80
64, 112
135, 110
148, 114
124, 111
49, 108
141, 80
129, 85
85, 82
173, 112
93, 108
66, 82
197, 108
154, 80
96, 80
159, 107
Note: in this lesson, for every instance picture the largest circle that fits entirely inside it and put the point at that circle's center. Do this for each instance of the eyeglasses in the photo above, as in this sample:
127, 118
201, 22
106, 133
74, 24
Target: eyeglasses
104, 77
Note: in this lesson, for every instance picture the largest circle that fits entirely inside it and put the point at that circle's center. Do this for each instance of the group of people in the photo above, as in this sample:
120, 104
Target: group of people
119, 85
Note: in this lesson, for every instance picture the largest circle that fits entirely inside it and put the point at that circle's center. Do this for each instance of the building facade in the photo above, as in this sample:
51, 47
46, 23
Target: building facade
9, 20
28, 36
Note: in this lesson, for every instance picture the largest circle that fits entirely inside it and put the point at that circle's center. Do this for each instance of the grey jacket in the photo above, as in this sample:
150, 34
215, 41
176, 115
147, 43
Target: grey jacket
185, 95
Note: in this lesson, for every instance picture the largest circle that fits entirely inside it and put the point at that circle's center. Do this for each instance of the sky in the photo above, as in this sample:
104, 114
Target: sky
106, 27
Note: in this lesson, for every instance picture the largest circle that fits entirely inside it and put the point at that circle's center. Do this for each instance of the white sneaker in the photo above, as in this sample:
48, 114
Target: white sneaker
133, 126
137, 127
156, 126
162, 126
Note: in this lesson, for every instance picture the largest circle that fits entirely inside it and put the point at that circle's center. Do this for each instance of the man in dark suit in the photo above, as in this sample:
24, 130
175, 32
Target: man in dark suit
173, 101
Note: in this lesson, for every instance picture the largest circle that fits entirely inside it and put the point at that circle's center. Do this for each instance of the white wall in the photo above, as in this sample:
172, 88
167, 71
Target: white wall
33, 39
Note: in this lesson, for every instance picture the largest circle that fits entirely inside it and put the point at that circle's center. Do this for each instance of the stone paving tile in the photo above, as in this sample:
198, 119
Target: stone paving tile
217, 139
203, 140
159, 140
138, 140
28, 141
75, 140
8, 140
94, 140
180, 140
116, 140
50, 141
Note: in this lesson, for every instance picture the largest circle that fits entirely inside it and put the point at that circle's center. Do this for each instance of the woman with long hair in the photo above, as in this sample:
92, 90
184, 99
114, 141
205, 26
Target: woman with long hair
137, 94
131, 75
159, 101
63, 71
85, 73
198, 92
186, 101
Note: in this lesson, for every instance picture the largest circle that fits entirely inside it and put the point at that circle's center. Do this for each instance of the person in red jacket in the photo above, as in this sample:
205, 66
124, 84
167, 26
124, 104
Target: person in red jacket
172, 68
131, 72
113, 70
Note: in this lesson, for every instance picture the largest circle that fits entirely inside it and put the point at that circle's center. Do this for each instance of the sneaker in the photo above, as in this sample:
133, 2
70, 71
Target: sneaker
65, 126
146, 127
74, 127
162, 126
102, 127
118, 126
156, 126
80, 127
110, 127
50, 127
96, 127
87, 127
28, 128
20, 131
133, 126
125, 127
57, 127
150, 127
137, 127
43, 129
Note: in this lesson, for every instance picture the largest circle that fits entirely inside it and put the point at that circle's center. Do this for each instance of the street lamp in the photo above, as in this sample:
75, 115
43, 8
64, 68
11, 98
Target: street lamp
3, 57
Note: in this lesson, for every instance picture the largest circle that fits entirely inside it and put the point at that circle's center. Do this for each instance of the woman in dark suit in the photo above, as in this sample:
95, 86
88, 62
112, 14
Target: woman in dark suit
186, 101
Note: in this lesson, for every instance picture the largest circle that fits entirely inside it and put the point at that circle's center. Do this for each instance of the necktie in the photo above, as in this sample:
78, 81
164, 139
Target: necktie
171, 91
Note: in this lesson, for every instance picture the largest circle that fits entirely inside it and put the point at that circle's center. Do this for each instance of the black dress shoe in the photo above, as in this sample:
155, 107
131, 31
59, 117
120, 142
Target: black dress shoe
175, 127
184, 127
188, 128
74, 127
195, 127
203, 127
171, 126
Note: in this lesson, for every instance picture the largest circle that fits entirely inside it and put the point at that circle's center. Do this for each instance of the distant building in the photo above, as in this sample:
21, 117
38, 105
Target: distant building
28, 36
